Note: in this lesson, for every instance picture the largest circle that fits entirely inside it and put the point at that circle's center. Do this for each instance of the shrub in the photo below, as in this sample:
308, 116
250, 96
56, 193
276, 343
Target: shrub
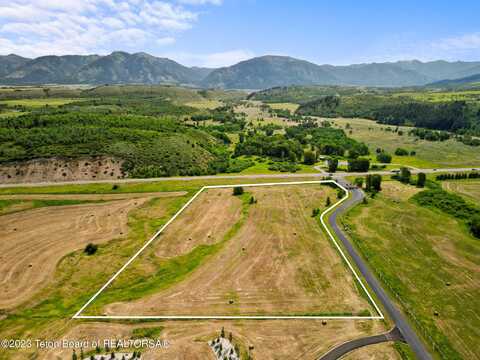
332, 165
404, 175
373, 183
238, 190
284, 167
421, 179
91, 249
309, 157
475, 226
358, 182
384, 157
449, 203
401, 152
361, 165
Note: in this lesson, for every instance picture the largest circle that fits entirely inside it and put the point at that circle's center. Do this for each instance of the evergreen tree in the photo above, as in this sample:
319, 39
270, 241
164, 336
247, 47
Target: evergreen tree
332, 165
421, 180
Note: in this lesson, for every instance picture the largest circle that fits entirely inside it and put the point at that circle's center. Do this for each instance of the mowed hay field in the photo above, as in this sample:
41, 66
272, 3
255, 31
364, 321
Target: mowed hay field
226, 256
429, 154
470, 189
32, 242
429, 262
277, 339
41, 299
47, 313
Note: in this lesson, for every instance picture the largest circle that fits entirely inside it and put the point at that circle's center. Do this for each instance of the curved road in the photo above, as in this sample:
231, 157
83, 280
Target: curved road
345, 348
400, 321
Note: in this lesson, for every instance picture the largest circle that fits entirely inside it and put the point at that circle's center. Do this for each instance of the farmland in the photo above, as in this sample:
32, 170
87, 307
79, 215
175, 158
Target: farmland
267, 271
470, 189
76, 274
449, 153
394, 232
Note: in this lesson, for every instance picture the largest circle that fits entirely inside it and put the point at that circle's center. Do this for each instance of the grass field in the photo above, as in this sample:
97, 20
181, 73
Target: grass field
268, 340
37, 103
257, 116
262, 167
8, 206
267, 254
205, 104
428, 261
66, 274
441, 96
284, 106
46, 312
429, 154
9, 113
470, 189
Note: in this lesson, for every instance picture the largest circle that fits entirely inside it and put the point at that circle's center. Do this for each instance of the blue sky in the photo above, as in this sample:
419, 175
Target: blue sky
223, 32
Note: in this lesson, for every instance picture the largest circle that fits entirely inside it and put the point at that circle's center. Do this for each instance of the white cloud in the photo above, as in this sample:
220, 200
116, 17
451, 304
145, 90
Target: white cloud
463, 42
165, 41
201, 2
218, 59
39, 27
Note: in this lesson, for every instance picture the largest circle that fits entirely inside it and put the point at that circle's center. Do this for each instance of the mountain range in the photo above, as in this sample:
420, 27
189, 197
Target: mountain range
256, 73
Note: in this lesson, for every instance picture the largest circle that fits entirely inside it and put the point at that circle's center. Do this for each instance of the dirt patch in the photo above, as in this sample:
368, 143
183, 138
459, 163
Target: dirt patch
280, 340
280, 262
53, 169
33, 242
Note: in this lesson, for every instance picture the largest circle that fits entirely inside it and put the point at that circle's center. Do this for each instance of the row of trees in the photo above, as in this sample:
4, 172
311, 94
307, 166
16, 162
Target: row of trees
458, 176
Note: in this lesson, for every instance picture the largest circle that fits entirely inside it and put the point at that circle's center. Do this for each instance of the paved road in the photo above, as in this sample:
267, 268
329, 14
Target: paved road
321, 173
400, 321
345, 348
178, 178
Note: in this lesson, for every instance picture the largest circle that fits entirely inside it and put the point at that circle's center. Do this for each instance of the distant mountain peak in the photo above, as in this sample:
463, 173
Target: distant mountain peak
256, 73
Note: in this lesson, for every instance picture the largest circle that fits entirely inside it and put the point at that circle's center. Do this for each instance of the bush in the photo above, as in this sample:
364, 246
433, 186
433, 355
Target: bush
90, 249
401, 152
475, 226
449, 203
358, 182
332, 165
421, 179
284, 167
238, 190
309, 157
373, 183
361, 165
384, 157
405, 175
